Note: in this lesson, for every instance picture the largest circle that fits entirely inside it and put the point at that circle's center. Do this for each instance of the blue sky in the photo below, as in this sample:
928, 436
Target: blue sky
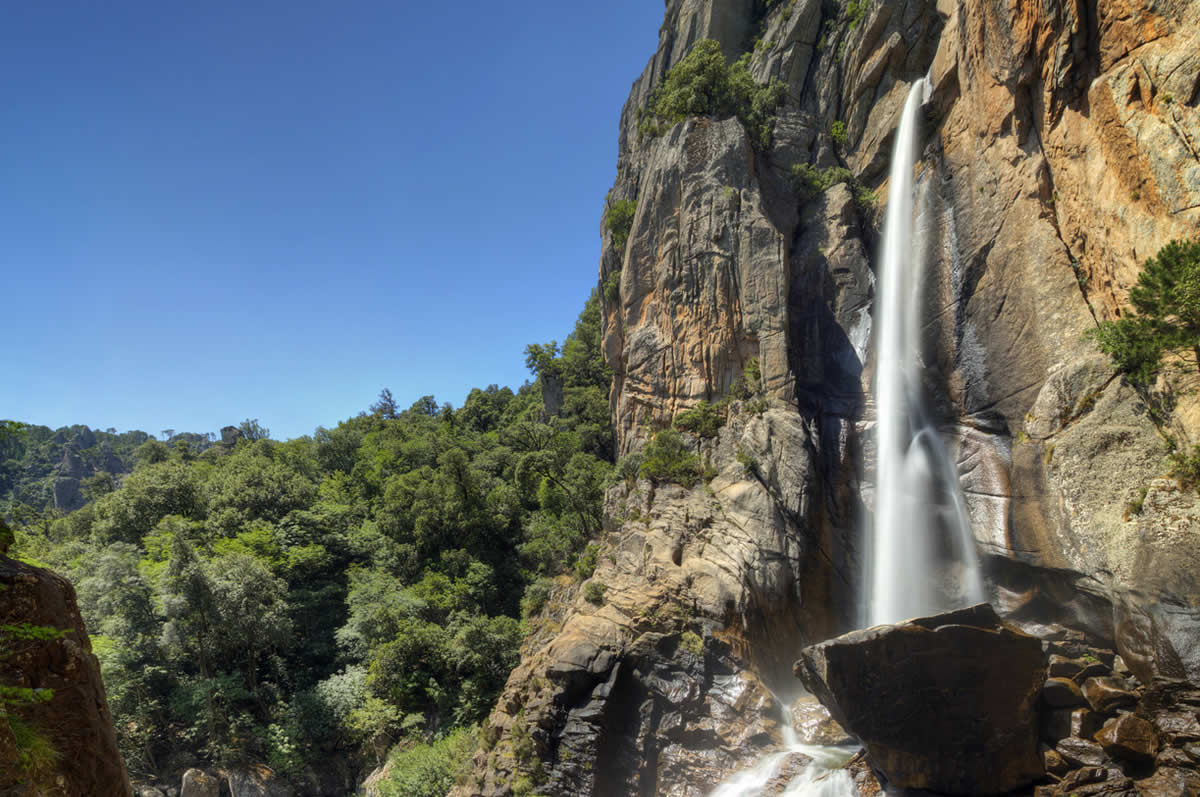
273, 209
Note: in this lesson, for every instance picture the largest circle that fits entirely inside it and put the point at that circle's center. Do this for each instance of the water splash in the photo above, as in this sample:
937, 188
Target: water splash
921, 522
826, 776
822, 777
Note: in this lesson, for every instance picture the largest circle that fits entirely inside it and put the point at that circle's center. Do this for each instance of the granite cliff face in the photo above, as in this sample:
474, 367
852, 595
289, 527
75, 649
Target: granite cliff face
1061, 149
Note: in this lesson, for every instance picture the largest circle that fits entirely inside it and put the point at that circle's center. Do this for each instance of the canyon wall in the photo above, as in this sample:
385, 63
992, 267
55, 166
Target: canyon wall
1060, 151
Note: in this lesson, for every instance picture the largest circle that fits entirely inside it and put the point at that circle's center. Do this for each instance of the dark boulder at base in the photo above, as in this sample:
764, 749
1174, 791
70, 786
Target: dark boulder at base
945, 703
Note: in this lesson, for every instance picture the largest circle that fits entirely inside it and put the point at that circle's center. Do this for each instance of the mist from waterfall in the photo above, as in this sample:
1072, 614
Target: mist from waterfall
824, 776
922, 557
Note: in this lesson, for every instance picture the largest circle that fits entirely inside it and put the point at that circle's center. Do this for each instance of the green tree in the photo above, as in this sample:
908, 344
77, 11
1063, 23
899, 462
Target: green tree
147, 495
251, 610
151, 452
253, 484
542, 358
386, 406
666, 458
619, 221
252, 430
702, 84
1166, 317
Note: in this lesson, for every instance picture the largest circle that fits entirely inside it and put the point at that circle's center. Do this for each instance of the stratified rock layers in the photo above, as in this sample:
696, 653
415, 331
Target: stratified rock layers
1060, 152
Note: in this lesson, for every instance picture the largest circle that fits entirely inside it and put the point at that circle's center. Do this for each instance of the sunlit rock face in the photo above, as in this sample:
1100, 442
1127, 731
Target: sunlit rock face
1060, 151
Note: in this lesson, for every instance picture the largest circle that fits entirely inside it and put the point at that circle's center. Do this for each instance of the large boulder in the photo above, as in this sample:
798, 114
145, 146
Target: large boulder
947, 703
198, 783
256, 781
56, 695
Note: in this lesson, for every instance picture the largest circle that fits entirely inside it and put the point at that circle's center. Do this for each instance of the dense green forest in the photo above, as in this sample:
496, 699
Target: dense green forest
363, 589
39, 462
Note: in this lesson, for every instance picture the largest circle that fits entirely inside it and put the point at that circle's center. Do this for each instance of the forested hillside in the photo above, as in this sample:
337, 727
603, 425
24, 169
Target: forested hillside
322, 600
44, 469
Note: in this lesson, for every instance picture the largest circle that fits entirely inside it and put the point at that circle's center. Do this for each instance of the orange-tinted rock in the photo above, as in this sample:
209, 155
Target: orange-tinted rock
1129, 738
1106, 695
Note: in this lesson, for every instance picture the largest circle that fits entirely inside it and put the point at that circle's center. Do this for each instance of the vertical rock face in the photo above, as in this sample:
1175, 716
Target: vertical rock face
68, 746
1060, 151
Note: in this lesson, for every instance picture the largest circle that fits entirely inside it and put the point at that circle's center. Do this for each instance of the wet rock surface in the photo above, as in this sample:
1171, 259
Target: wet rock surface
1141, 748
946, 704
1129, 738
1147, 747
814, 724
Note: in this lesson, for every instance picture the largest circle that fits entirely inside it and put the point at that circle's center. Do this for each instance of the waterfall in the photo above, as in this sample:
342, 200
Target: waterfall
921, 523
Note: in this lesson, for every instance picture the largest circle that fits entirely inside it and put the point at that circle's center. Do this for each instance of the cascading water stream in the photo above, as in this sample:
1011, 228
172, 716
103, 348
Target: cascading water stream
823, 777
919, 506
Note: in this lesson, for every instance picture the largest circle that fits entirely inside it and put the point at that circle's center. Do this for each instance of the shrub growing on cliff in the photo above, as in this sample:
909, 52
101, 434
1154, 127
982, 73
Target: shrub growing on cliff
855, 11
612, 288
594, 591
703, 420
666, 458
1186, 468
749, 383
1166, 318
619, 221
808, 181
837, 131
703, 84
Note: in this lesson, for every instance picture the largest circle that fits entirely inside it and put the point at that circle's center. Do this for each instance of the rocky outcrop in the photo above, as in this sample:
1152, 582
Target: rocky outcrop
955, 704
813, 724
1060, 151
1139, 744
947, 704
645, 689
230, 435
66, 745
198, 783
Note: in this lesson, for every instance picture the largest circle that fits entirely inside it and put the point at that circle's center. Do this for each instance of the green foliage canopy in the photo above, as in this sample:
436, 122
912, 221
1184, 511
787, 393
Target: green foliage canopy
282, 602
1166, 318
703, 84
619, 220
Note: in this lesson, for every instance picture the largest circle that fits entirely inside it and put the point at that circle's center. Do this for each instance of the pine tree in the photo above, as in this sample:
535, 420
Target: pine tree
1166, 301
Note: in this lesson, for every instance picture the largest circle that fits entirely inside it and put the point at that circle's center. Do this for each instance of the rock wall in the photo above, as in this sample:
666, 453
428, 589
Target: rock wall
77, 749
1060, 151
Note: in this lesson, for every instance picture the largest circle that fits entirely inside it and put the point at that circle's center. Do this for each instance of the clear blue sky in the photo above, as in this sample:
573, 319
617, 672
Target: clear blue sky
275, 208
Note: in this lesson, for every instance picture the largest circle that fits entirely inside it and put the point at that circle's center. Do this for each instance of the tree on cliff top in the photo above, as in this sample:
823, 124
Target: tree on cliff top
703, 84
1166, 301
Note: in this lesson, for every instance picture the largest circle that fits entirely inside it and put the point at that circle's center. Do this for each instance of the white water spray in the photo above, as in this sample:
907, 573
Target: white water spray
823, 777
920, 513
